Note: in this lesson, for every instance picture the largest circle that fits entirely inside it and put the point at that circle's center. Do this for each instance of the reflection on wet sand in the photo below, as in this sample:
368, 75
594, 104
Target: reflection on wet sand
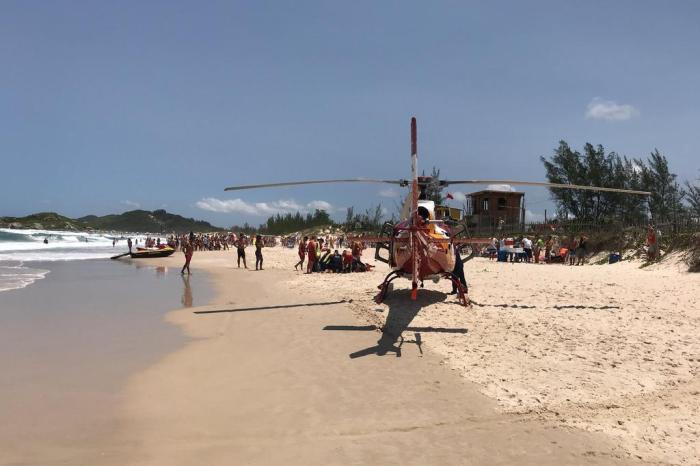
186, 292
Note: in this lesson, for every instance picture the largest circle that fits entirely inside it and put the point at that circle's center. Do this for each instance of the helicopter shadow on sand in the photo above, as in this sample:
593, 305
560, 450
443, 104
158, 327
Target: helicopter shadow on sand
402, 311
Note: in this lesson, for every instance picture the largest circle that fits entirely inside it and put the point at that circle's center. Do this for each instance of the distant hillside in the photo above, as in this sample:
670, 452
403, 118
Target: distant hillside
40, 221
135, 220
143, 220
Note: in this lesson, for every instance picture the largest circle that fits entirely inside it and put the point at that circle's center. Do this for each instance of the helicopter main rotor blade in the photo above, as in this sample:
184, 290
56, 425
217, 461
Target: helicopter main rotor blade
298, 183
547, 185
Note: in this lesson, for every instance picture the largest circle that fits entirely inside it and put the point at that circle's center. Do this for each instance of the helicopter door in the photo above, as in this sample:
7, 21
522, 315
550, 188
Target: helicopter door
387, 232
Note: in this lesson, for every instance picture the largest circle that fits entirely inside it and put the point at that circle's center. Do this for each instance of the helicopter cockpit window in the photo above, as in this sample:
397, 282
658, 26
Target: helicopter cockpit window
501, 203
423, 212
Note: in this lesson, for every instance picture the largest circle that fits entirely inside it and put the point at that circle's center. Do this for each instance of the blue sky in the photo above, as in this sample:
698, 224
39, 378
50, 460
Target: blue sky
109, 105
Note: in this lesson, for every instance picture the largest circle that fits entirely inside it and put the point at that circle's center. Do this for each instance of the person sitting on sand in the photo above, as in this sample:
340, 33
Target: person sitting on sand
187, 249
347, 261
258, 252
324, 260
357, 256
302, 253
336, 262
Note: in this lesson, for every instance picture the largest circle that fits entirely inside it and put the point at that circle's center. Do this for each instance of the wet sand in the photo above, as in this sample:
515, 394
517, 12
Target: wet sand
315, 385
69, 342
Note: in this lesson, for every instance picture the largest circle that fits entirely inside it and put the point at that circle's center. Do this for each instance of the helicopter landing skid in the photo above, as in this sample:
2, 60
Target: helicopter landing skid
461, 289
384, 287
393, 275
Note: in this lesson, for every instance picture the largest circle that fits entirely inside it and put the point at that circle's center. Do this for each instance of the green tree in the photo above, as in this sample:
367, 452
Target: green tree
666, 200
693, 197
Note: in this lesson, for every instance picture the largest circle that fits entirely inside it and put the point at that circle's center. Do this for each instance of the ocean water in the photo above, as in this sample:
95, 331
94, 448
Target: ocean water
69, 343
20, 250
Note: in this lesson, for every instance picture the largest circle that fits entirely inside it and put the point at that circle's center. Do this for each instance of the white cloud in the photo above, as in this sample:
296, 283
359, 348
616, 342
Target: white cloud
133, 204
500, 187
532, 217
320, 205
389, 192
599, 109
238, 205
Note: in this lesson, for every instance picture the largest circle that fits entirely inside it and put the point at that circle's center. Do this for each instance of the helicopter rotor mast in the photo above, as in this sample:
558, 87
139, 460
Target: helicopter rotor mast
414, 210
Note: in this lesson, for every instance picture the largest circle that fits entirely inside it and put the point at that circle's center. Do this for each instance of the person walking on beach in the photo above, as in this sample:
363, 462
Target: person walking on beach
302, 253
258, 252
187, 249
240, 249
129, 243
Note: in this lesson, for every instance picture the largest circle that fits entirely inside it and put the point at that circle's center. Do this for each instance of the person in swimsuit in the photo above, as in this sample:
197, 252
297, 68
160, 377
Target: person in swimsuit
258, 252
311, 251
302, 254
187, 249
240, 247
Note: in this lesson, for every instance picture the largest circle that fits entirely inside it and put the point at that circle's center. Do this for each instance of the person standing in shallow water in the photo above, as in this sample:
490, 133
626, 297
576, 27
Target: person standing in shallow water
258, 252
187, 249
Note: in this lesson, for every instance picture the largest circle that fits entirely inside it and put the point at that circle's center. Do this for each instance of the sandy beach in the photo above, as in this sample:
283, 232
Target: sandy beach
584, 375
551, 365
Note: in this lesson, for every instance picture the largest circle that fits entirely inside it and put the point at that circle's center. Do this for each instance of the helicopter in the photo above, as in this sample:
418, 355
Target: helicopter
422, 247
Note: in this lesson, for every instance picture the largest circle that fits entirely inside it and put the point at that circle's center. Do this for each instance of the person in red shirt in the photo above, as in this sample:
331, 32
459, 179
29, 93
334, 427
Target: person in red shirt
347, 261
311, 251
302, 254
652, 244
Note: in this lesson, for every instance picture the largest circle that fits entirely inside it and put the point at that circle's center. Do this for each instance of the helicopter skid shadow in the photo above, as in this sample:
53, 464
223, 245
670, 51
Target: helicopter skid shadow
402, 311
556, 306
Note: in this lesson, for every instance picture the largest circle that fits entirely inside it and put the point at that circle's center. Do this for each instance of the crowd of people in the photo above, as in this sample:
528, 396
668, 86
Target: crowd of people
321, 256
539, 250
323, 253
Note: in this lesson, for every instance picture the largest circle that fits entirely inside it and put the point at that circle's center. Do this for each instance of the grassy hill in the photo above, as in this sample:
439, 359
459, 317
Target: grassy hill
135, 220
40, 221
